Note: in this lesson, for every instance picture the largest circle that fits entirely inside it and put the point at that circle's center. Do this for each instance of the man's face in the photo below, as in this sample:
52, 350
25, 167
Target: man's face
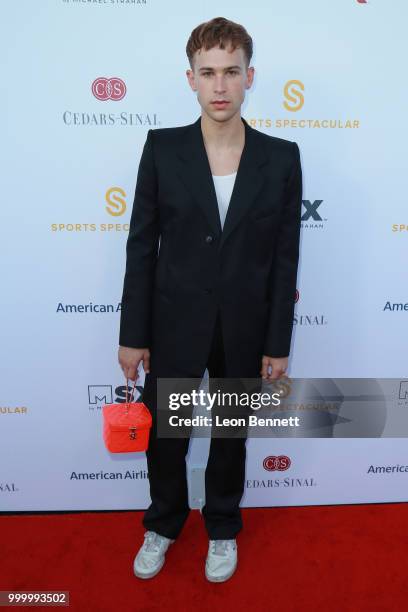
220, 78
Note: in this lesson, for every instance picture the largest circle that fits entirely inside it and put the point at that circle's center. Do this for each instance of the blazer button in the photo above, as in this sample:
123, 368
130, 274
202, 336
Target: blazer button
208, 239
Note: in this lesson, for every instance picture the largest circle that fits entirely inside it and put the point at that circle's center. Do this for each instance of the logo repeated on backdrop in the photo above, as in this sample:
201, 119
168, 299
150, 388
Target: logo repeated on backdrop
89, 308
400, 228
98, 395
8, 487
276, 462
116, 206
403, 393
109, 90
388, 469
279, 463
102, 475
310, 319
311, 218
115, 198
13, 410
294, 100
294, 95
395, 307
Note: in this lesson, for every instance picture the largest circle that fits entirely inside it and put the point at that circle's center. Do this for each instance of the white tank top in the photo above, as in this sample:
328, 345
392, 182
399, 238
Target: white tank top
223, 189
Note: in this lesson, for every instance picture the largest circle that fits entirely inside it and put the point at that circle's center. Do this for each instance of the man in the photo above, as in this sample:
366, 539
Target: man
210, 280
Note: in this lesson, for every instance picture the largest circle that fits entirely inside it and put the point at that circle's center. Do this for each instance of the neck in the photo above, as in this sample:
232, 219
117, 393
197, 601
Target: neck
228, 134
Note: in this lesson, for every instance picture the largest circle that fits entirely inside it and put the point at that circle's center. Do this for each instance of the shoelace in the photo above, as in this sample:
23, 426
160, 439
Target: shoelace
152, 542
220, 547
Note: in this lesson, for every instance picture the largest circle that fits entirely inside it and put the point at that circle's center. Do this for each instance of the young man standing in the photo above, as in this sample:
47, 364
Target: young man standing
210, 280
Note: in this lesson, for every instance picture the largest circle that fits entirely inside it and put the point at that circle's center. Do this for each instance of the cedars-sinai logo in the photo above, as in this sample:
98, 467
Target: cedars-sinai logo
109, 89
275, 463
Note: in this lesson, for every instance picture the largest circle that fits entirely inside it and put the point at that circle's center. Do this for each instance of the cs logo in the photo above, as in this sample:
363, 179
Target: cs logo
109, 89
276, 463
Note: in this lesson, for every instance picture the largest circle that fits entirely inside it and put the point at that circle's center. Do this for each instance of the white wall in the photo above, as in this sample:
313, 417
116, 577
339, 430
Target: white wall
350, 60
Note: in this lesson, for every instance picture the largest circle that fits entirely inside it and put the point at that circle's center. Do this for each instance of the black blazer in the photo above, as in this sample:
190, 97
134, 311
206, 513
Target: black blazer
181, 266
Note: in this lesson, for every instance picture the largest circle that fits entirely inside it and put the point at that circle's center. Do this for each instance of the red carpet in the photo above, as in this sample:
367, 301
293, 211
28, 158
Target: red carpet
345, 558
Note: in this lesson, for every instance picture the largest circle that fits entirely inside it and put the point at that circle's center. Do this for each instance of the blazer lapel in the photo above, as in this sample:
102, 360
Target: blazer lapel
248, 181
197, 177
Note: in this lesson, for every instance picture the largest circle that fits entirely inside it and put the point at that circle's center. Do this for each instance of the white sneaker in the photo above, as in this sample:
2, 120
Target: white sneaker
151, 556
221, 560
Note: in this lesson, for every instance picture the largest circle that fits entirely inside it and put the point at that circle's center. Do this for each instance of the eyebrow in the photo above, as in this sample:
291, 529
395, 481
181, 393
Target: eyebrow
228, 68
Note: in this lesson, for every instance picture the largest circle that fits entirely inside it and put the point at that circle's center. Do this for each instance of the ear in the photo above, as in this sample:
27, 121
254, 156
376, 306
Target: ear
250, 76
191, 79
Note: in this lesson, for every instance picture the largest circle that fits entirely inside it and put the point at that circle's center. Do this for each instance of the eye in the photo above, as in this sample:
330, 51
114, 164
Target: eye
233, 71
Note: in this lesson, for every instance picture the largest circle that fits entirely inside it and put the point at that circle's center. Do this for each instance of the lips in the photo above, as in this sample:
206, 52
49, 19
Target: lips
220, 103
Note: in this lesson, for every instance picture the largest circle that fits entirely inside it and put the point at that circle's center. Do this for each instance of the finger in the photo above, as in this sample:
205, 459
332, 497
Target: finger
274, 373
146, 363
264, 369
277, 373
131, 373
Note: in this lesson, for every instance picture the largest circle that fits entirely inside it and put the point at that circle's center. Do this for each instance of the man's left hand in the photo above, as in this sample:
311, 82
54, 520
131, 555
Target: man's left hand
278, 365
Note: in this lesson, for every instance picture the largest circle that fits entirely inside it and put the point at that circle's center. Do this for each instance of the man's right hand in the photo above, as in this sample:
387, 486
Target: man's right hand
130, 358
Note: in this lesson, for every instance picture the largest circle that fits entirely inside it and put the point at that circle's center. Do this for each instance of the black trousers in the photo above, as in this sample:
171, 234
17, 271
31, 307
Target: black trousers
224, 475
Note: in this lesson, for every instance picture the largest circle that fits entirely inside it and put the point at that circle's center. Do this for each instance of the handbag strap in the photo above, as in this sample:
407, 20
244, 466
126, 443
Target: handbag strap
131, 395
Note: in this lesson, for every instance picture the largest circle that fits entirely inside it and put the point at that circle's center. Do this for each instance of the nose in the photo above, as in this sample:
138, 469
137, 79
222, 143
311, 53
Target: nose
219, 84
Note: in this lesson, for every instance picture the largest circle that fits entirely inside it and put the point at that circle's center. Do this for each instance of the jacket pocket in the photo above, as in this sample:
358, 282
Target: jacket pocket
264, 215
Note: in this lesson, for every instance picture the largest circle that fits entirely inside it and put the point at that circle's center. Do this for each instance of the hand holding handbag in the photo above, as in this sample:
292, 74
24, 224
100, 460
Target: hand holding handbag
126, 426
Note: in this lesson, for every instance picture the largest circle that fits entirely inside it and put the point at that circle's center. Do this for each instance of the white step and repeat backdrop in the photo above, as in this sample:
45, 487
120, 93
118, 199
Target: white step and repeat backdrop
329, 75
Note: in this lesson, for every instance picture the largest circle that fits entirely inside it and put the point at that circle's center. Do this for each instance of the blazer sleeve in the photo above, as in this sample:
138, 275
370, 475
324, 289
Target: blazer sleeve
141, 255
285, 265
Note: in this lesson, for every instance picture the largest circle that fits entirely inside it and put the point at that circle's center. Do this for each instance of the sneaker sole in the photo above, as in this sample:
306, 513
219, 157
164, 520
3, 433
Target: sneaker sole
149, 575
220, 578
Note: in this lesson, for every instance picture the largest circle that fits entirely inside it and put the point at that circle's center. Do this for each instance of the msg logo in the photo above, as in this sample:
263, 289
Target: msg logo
292, 93
116, 204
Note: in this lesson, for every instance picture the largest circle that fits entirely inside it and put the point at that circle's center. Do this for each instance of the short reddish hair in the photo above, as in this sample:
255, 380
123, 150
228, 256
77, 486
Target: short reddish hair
222, 33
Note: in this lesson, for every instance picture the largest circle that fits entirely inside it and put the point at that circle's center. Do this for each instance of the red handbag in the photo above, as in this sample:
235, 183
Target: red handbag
126, 426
